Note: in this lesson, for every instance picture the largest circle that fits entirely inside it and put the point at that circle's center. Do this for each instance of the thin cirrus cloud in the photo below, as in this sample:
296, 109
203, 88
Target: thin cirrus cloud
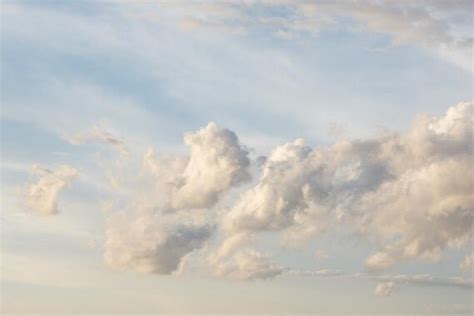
409, 194
435, 25
100, 135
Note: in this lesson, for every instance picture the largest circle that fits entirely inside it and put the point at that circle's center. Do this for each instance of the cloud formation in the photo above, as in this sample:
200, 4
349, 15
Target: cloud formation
149, 244
383, 289
217, 162
40, 196
411, 194
436, 25
467, 263
158, 238
99, 135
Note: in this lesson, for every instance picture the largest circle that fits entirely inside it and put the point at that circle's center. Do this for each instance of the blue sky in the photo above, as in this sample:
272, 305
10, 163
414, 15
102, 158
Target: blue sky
83, 80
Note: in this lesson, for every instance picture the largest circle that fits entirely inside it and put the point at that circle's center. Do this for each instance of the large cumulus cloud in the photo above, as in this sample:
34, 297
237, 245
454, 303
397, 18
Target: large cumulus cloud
410, 194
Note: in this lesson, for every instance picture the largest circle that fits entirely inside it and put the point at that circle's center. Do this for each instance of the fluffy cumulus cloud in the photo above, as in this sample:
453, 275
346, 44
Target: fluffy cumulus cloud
157, 240
411, 194
217, 162
147, 243
40, 196
383, 289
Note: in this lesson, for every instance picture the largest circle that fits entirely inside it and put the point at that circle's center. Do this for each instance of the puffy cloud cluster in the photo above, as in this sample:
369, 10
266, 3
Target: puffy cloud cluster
411, 194
158, 241
216, 163
147, 243
41, 195
383, 289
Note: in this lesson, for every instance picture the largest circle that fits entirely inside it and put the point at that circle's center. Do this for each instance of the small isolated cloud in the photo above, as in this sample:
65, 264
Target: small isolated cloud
99, 135
40, 196
383, 289
146, 243
467, 263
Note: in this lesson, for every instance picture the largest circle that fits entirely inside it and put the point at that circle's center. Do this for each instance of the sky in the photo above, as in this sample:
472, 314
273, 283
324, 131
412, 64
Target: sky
254, 157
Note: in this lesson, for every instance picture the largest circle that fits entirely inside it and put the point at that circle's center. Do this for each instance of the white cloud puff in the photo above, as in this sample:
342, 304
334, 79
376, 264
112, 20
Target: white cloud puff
467, 263
147, 243
383, 289
41, 195
216, 163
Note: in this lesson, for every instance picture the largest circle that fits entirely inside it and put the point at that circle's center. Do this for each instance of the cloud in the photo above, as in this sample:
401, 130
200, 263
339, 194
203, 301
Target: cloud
40, 196
147, 243
246, 264
216, 163
467, 263
428, 280
434, 25
100, 135
411, 194
383, 289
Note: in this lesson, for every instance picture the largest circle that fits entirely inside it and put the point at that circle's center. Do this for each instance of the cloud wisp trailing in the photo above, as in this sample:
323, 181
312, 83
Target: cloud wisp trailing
434, 25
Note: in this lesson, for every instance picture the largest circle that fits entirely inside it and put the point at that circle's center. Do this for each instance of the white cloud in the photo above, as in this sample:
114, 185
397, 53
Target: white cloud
40, 196
148, 243
98, 134
435, 25
246, 264
411, 193
467, 263
383, 289
216, 163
